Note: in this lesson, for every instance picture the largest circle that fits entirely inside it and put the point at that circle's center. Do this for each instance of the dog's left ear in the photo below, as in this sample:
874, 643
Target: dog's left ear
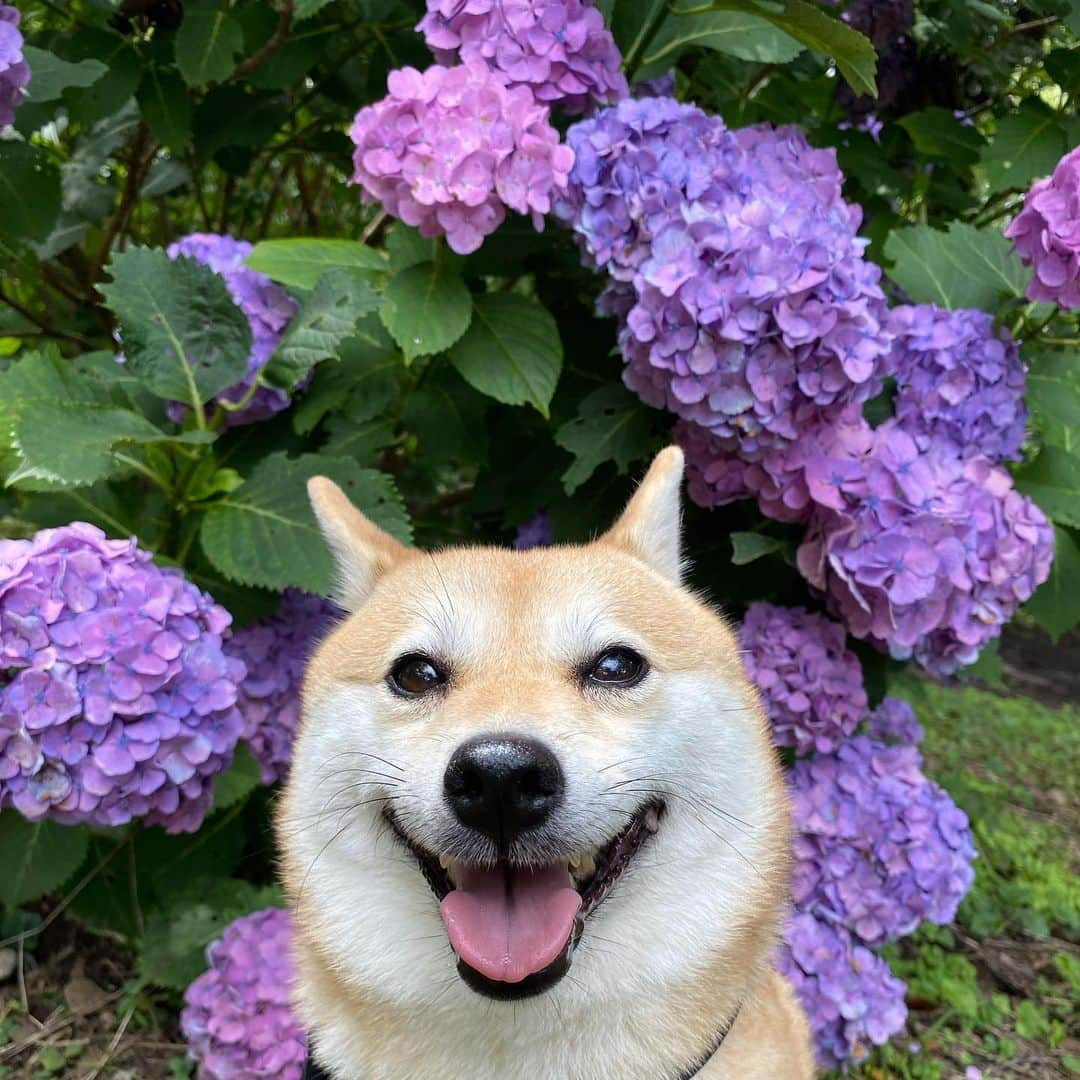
650, 527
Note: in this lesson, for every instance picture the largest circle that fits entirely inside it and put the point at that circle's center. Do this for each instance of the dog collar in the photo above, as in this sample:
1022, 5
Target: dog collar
314, 1071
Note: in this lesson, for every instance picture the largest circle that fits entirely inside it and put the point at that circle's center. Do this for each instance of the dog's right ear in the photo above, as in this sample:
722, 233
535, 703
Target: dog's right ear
362, 551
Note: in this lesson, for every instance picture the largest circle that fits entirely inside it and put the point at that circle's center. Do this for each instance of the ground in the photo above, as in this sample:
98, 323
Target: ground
998, 991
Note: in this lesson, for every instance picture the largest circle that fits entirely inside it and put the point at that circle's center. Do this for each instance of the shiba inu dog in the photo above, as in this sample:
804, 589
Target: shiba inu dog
535, 826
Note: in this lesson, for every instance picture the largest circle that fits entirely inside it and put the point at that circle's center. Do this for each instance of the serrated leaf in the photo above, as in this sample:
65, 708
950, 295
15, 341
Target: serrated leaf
39, 856
165, 105
960, 267
304, 9
512, 351
300, 262
740, 34
1054, 396
1027, 145
50, 76
326, 317
611, 425
29, 191
427, 309
1056, 603
448, 417
207, 45
183, 336
746, 547
264, 533
359, 440
630, 25
937, 133
239, 780
1053, 481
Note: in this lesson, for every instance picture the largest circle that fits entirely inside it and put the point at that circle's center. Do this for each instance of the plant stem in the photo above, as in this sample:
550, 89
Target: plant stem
636, 53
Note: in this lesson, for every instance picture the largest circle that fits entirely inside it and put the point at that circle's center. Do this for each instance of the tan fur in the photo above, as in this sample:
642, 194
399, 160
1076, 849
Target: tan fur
504, 675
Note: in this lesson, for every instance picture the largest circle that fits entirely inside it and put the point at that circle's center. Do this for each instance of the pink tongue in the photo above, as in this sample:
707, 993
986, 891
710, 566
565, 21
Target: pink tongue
508, 925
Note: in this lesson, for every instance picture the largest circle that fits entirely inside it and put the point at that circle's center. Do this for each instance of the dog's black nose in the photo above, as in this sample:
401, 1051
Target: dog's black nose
503, 786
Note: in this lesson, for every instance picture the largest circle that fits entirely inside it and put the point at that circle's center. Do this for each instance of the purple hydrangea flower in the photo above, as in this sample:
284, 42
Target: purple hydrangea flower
894, 721
536, 532
117, 699
746, 304
811, 685
14, 70
559, 50
959, 379
268, 307
450, 148
237, 1017
275, 651
1046, 234
880, 848
851, 998
662, 86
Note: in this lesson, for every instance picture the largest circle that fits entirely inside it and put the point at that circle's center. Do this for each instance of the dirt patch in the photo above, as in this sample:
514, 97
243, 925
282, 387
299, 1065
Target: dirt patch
1034, 666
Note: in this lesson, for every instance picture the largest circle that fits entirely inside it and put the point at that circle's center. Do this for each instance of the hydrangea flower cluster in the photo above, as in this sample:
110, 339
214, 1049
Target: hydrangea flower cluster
275, 651
117, 699
851, 997
268, 307
536, 532
14, 70
894, 721
451, 147
958, 380
747, 306
1046, 234
880, 847
559, 49
237, 1018
811, 685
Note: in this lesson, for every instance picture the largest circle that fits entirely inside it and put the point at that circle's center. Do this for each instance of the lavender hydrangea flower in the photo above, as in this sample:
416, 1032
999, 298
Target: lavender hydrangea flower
536, 532
268, 307
450, 148
237, 1017
662, 86
850, 996
117, 700
894, 721
880, 848
560, 50
958, 379
746, 304
1046, 234
275, 651
14, 70
811, 684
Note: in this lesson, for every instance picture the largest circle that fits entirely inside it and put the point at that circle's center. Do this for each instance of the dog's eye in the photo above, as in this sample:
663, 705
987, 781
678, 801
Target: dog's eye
618, 666
415, 675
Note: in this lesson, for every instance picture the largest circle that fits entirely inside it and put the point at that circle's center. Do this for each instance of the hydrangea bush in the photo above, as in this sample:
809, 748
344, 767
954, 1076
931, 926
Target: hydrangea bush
848, 291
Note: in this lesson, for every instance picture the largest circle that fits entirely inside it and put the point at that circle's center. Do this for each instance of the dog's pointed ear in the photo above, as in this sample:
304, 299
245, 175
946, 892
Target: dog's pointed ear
362, 551
651, 525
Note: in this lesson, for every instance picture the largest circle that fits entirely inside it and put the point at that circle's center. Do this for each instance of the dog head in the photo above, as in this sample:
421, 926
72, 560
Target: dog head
514, 764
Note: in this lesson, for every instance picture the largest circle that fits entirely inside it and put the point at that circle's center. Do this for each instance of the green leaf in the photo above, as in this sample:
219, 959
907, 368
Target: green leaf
239, 780
427, 309
611, 425
304, 9
39, 856
182, 334
326, 317
961, 267
264, 533
29, 191
512, 351
448, 417
1053, 481
165, 105
1063, 66
207, 45
359, 440
300, 262
50, 76
630, 25
1028, 144
1056, 603
1054, 396
746, 36
937, 133
748, 546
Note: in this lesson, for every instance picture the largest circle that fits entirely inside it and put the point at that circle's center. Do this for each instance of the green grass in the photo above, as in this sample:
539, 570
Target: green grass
998, 989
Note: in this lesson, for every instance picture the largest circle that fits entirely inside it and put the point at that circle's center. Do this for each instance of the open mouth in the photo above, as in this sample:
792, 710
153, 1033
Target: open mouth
514, 928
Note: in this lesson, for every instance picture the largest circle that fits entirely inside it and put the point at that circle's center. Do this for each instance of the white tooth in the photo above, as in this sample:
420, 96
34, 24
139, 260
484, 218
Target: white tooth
445, 861
582, 863
652, 820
